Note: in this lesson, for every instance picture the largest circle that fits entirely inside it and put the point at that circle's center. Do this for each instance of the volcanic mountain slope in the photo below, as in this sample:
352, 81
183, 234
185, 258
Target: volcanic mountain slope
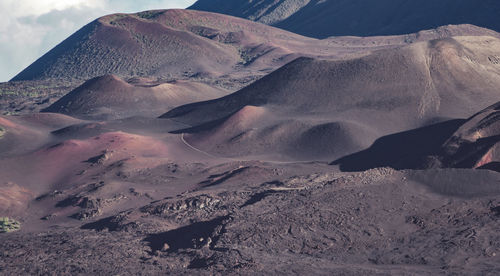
256, 47
324, 18
267, 12
171, 43
110, 97
318, 109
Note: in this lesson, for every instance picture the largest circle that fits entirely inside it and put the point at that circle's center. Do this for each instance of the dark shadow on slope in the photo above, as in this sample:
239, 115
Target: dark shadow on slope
206, 126
404, 150
113, 223
105, 223
257, 197
496, 210
191, 236
221, 178
203, 127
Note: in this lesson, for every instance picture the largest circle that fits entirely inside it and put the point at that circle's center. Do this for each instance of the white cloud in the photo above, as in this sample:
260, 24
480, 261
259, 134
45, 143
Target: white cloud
30, 28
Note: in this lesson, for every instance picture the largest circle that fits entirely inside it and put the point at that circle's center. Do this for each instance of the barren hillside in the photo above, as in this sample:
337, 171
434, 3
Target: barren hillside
324, 18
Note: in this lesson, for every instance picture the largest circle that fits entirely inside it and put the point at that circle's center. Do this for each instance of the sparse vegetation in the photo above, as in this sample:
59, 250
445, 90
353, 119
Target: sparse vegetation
23, 97
7, 92
149, 14
114, 18
9, 225
10, 113
2, 132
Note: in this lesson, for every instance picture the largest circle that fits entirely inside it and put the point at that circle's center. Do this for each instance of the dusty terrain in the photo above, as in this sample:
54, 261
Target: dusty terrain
274, 153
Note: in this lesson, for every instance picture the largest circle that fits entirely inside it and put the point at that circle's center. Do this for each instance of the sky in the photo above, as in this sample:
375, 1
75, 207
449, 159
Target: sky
30, 28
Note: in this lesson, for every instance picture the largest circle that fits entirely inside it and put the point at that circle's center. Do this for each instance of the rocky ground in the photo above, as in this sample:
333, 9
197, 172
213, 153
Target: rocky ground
378, 222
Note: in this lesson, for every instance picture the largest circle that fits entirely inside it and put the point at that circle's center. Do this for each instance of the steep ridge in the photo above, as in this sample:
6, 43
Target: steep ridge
324, 18
171, 43
369, 97
109, 97
267, 12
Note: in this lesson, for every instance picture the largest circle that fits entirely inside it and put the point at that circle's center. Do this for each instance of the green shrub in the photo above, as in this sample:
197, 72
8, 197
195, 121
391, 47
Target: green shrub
2, 132
9, 225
